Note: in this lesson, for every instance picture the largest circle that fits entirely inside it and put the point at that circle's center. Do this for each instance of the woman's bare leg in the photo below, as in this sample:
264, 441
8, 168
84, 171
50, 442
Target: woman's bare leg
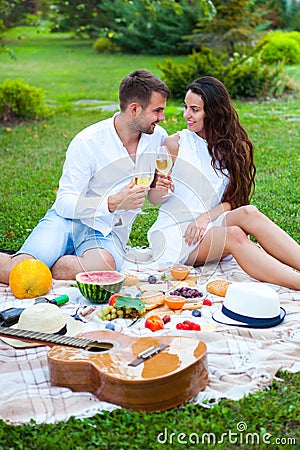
257, 263
270, 236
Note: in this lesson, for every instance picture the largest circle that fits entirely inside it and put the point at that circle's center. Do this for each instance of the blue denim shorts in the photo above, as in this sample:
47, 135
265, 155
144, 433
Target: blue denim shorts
55, 236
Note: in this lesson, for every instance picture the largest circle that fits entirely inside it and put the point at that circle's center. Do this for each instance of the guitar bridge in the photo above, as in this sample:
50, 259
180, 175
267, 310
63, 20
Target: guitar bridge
148, 353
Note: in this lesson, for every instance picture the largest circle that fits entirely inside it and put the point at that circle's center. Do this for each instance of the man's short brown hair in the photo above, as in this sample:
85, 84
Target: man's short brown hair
138, 87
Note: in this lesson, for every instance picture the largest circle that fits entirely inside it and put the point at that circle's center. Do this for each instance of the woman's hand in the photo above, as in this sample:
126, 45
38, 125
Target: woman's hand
195, 229
159, 188
162, 182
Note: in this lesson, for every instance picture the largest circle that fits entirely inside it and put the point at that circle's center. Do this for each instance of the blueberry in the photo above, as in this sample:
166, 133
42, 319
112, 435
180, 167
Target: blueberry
152, 279
110, 326
196, 313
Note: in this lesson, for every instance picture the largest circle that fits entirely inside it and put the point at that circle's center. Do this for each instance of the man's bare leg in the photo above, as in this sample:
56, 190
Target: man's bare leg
7, 262
68, 266
65, 267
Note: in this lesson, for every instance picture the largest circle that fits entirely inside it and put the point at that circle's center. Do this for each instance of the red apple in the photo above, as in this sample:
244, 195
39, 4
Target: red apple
154, 323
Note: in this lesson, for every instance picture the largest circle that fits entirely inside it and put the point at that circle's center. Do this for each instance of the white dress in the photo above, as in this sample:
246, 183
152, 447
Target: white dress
197, 189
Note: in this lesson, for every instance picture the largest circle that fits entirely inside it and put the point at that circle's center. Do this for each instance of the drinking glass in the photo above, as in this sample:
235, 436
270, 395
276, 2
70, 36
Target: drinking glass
142, 179
164, 163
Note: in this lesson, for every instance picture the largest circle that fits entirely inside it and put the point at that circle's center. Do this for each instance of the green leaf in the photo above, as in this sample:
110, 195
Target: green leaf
130, 302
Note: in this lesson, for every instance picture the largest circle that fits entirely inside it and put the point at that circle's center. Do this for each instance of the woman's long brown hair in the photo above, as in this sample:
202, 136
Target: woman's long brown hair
228, 143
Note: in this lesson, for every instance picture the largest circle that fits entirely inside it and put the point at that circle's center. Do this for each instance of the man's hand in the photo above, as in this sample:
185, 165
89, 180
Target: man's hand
130, 197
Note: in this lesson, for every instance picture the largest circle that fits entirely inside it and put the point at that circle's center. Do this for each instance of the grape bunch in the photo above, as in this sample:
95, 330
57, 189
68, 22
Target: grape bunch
113, 312
187, 292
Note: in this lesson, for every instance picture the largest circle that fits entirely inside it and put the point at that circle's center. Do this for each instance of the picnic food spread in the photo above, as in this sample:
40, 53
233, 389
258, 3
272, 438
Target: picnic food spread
141, 297
183, 323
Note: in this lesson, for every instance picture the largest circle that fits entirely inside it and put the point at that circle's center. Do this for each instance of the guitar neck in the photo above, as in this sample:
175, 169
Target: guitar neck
52, 339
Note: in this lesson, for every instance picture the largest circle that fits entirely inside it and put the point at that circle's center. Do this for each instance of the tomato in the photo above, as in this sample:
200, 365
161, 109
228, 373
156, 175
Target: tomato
195, 326
112, 299
188, 325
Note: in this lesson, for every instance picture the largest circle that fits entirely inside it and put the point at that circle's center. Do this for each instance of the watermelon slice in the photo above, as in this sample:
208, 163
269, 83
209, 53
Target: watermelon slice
98, 286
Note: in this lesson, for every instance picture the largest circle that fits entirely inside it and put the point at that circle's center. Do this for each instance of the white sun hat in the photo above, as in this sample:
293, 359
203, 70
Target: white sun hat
250, 304
44, 318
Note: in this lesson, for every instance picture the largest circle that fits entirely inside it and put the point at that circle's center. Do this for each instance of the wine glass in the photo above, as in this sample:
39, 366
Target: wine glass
142, 179
164, 163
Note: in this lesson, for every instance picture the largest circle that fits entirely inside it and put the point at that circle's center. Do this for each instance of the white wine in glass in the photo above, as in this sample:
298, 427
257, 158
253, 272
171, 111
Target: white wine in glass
143, 179
164, 162
164, 165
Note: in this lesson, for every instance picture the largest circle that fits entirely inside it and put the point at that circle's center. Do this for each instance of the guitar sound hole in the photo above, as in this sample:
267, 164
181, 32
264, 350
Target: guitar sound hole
101, 347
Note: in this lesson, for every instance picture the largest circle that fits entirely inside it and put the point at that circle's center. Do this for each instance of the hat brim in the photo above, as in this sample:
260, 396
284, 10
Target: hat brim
220, 317
74, 327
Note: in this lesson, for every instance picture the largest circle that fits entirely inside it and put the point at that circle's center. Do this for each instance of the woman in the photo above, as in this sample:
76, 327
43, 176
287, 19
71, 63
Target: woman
208, 216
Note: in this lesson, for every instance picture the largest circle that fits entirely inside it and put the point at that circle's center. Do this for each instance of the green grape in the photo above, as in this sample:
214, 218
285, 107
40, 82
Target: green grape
115, 312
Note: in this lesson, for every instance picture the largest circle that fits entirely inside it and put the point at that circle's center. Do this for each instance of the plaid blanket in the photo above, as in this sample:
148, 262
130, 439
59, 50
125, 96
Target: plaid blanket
240, 360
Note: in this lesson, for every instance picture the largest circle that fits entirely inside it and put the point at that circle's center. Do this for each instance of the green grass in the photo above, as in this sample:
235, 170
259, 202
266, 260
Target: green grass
68, 68
271, 418
31, 158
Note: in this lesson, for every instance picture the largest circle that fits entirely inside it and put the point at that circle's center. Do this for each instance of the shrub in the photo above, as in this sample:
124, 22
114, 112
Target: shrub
280, 47
244, 76
294, 35
21, 101
105, 45
200, 64
244, 80
249, 79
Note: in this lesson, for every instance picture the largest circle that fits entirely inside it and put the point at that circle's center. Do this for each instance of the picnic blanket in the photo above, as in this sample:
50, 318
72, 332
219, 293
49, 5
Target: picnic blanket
240, 360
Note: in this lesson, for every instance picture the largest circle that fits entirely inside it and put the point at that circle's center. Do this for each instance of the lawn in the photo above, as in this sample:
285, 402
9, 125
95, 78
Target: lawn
31, 158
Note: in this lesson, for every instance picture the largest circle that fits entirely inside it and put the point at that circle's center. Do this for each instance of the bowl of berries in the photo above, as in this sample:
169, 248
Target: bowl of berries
189, 293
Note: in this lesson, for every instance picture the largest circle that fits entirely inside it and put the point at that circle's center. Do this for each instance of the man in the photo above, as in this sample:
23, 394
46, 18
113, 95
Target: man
88, 226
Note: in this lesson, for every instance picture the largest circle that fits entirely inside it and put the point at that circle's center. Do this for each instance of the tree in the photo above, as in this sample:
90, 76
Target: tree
92, 16
232, 26
163, 33
15, 12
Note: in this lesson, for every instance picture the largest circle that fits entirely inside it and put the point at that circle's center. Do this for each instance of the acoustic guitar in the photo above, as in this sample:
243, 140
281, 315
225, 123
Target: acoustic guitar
145, 374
